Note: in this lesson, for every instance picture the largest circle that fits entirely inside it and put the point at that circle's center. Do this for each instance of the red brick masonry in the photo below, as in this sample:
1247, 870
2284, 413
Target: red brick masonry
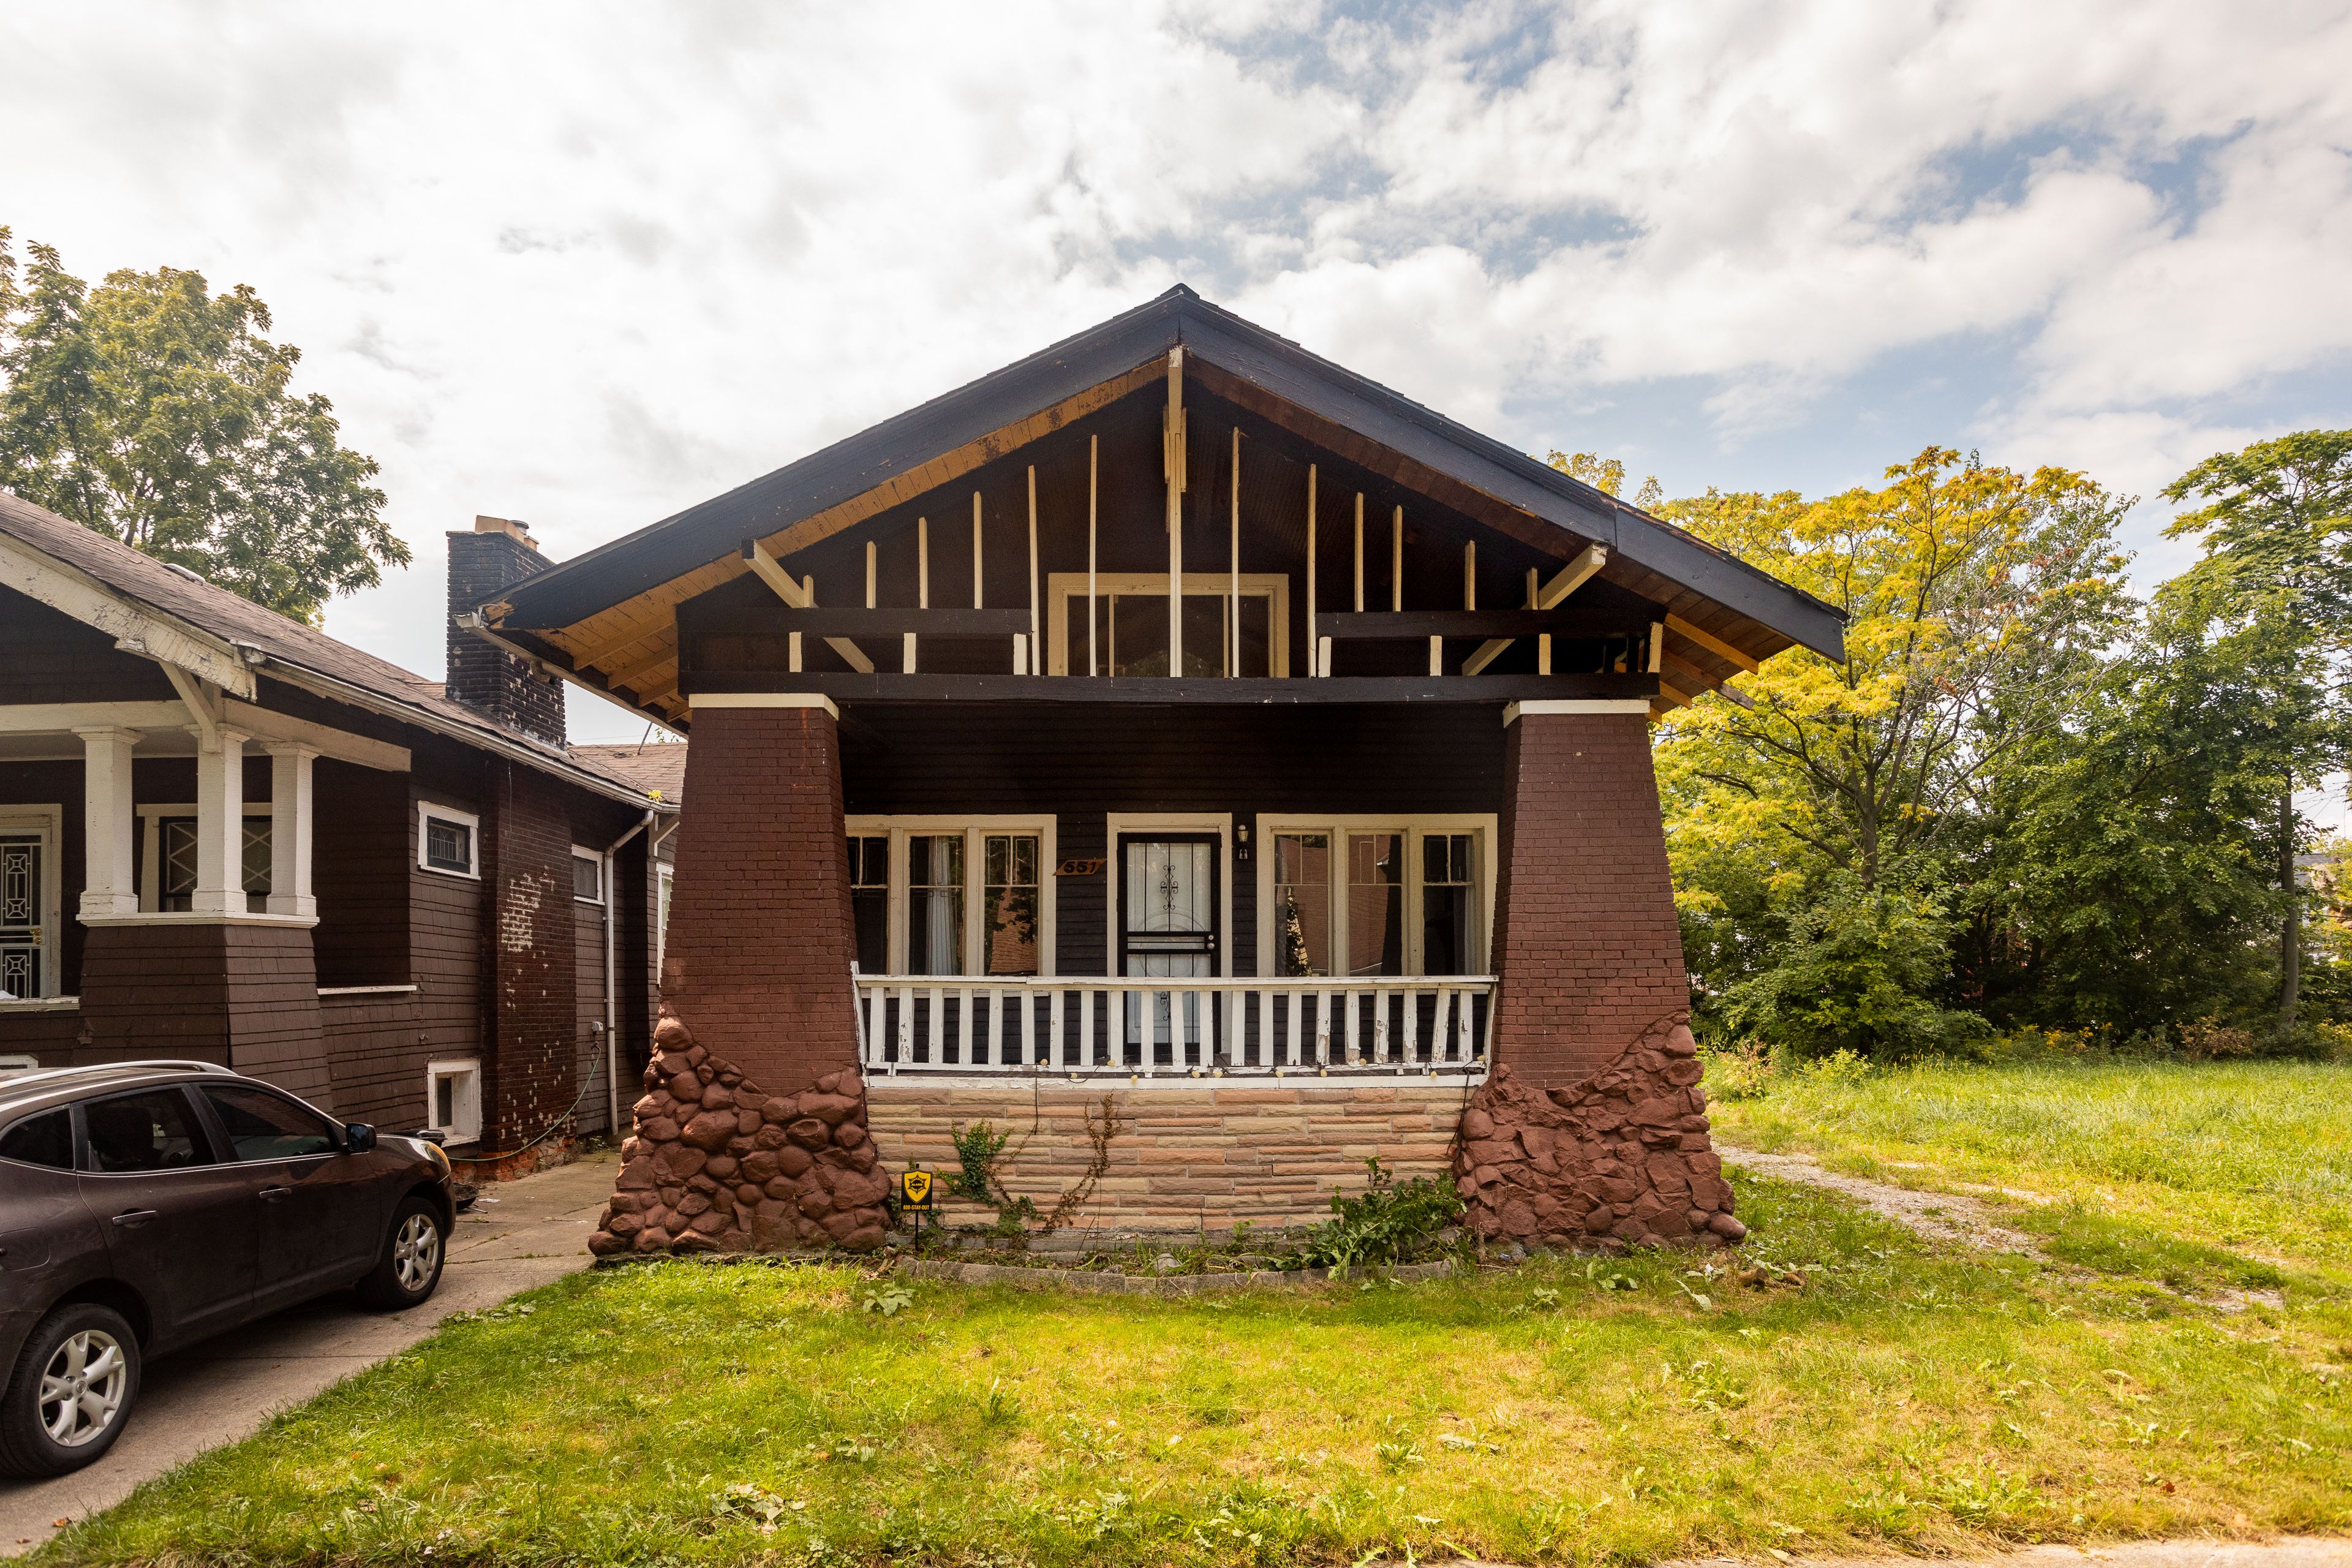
1623, 1155
719, 1166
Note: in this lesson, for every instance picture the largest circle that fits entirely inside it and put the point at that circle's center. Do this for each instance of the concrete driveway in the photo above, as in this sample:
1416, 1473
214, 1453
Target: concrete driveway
521, 1233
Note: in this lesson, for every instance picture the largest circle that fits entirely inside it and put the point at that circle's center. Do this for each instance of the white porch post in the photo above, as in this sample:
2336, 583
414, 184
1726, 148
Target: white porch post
289, 830
107, 822
220, 825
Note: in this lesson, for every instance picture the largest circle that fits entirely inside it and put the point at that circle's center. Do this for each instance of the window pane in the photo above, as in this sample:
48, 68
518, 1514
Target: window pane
1446, 906
1302, 903
263, 1127
1375, 903
43, 1139
448, 846
587, 878
1012, 906
1138, 634
935, 904
257, 856
869, 901
149, 1132
175, 880
1205, 652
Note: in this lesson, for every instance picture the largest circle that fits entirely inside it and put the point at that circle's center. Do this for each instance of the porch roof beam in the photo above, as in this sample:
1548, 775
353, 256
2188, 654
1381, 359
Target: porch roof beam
1566, 581
1228, 692
798, 597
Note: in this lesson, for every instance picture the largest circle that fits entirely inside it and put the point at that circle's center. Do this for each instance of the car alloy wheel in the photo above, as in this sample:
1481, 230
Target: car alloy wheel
416, 1252
82, 1388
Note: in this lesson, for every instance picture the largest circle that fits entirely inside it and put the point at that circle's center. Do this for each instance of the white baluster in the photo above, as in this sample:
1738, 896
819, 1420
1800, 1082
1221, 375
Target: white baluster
1053, 1046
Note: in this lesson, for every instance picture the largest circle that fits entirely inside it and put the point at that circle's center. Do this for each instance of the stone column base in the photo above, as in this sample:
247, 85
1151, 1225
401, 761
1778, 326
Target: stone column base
716, 1165
1621, 1158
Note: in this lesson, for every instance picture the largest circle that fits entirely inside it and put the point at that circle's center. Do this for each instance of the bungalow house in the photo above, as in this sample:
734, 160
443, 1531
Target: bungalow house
1186, 755
225, 836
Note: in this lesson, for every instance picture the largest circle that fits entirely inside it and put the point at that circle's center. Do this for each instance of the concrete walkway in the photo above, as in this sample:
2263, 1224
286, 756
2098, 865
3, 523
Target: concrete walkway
521, 1233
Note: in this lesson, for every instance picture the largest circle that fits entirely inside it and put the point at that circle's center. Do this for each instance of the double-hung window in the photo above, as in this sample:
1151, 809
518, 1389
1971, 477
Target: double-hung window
951, 896
1363, 897
167, 852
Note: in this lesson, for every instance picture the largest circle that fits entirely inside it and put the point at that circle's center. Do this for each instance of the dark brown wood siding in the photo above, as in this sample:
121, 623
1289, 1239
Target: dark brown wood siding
361, 863
1081, 764
48, 657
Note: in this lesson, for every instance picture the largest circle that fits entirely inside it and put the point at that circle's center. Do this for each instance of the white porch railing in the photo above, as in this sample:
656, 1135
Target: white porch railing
1174, 1028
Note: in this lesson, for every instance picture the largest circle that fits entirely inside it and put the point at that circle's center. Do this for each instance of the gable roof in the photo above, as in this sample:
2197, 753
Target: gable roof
207, 631
705, 532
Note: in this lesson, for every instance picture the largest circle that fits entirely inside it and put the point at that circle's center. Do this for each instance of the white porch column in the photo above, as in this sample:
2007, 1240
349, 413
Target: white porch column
289, 829
109, 887
220, 825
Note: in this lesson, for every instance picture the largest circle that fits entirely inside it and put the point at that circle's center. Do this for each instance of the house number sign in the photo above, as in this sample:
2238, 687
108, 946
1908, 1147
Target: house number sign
1093, 868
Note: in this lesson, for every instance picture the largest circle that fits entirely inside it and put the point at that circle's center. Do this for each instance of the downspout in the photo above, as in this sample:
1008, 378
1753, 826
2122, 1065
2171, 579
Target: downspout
612, 1039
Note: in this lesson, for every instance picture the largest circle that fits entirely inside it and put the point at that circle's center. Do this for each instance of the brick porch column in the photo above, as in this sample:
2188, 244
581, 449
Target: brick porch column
760, 938
752, 1130
1586, 945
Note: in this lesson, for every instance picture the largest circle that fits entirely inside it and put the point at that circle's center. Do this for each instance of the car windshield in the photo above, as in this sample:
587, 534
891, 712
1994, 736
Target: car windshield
263, 1127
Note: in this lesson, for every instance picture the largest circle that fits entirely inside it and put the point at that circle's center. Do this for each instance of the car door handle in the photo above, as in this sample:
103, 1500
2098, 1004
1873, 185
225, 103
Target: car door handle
271, 1194
131, 1219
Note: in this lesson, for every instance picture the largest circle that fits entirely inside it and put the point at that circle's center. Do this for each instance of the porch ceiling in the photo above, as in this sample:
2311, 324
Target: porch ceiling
608, 619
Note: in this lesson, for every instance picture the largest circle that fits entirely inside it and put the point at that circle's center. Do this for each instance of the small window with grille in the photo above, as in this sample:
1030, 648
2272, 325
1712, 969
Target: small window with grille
446, 840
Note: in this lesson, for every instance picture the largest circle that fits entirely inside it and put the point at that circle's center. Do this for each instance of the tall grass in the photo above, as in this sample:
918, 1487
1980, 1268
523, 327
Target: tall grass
2246, 1156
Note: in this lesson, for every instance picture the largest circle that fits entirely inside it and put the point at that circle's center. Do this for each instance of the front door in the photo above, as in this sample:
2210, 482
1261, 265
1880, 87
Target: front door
1168, 919
21, 886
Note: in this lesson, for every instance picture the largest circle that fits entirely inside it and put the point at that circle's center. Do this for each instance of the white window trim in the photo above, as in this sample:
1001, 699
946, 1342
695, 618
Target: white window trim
467, 1107
1415, 827
1142, 824
150, 860
666, 887
974, 829
426, 811
1061, 587
48, 821
595, 858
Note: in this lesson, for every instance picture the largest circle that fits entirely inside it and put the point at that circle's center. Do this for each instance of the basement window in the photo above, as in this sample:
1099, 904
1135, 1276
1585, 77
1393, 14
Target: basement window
453, 1101
587, 876
446, 840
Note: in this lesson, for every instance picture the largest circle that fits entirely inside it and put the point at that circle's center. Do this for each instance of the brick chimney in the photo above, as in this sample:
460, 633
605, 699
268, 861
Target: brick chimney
497, 554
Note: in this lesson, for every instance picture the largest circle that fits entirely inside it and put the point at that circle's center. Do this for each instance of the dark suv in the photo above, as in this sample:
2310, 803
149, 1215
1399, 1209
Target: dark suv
146, 1205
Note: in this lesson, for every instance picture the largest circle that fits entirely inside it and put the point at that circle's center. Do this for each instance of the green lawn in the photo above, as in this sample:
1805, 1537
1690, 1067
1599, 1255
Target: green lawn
2207, 1175
1900, 1398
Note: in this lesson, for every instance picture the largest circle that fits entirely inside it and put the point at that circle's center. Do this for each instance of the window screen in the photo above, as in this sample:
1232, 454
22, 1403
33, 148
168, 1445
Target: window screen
587, 878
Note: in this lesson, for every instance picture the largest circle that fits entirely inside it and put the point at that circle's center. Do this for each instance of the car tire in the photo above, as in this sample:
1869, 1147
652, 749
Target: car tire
70, 1393
415, 1250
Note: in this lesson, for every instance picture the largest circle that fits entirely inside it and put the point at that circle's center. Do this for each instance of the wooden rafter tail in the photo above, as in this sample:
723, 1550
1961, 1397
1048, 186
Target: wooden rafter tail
1699, 637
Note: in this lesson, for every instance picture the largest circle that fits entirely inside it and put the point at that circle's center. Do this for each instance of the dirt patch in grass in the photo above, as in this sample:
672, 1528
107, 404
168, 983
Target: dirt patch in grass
1939, 1216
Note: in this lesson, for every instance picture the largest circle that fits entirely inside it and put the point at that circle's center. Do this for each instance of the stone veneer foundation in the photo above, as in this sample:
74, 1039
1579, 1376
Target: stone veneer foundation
1268, 1150
717, 1165
1621, 1156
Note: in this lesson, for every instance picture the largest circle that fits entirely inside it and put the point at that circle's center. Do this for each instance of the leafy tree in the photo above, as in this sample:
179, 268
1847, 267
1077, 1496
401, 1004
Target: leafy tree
2276, 573
159, 413
1605, 475
1813, 823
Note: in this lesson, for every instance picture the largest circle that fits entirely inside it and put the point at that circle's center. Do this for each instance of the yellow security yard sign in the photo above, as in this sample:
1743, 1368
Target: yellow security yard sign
915, 1190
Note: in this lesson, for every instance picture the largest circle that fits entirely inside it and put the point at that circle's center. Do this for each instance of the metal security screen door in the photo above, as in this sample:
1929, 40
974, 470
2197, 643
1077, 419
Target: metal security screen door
1168, 917
20, 915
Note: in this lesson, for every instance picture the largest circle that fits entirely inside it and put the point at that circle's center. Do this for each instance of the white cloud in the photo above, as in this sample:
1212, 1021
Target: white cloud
589, 264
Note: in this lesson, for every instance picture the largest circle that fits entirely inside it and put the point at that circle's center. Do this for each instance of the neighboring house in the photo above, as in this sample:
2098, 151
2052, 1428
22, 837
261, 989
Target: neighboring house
1175, 718
225, 834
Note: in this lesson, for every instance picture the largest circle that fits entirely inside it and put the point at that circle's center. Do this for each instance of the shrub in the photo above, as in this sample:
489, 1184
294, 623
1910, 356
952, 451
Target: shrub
1742, 1071
1386, 1223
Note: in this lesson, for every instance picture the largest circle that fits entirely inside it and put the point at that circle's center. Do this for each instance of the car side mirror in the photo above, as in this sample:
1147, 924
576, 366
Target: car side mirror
359, 1138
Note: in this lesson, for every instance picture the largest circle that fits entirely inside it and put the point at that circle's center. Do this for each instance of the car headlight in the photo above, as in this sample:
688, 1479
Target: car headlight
433, 1152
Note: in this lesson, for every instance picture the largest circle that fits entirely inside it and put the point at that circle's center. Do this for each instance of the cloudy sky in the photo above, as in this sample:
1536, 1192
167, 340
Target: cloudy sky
586, 265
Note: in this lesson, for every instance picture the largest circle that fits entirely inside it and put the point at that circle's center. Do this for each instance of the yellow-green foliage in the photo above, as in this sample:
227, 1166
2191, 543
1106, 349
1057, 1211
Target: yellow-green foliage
1572, 1411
